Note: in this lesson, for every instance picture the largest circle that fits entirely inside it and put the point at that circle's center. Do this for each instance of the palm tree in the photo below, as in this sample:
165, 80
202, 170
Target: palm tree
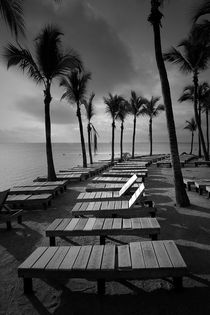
188, 95
122, 113
205, 107
155, 18
50, 63
191, 126
152, 110
75, 84
194, 58
201, 10
90, 128
112, 108
136, 104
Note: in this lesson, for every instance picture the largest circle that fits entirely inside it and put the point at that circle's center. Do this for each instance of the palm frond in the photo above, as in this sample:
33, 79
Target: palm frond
89, 106
12, 13
191, 125
151, 109
202, 9
174, 56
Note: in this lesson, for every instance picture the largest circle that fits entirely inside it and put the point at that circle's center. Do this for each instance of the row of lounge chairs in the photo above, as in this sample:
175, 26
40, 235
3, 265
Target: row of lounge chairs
107, 262
200, 185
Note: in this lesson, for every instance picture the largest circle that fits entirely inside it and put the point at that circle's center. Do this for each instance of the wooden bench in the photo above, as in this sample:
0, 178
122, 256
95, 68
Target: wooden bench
118, 208
134, 261
124, 174
61, 184
60, 177
102, 227
200, 185
206, 163
108, 187
188, 183
117, 179
24, 201
36, 190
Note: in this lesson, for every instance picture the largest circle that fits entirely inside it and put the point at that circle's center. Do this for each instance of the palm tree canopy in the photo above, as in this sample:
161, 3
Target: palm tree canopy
75, 84
136, 103
12, 13
123, 111
151, 108
50, 61
191, 125
188, 93
201, 10
113, 104
89, 106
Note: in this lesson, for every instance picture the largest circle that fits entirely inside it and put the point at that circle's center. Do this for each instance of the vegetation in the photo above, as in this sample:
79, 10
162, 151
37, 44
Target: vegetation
155, 18
191, 126
50, 63
122, 113
75, 84
152, 110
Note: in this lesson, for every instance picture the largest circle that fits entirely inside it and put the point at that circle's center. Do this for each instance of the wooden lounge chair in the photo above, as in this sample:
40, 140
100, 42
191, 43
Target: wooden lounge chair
29, 201
61, 184
59, 176
117, 179
124, 174
7, 214
118, 208
200, 185
35, 190
102, 227
134, 261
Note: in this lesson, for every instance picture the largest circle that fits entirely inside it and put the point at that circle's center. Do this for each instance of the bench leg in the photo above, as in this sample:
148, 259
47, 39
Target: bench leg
188, 187
153, 214
52, 241
102, 240
28, 286
153, 237
101, 286
9, 225
177, 282
19, 219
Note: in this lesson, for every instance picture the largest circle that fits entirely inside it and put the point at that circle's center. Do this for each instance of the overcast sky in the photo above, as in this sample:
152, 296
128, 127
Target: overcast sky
115, 42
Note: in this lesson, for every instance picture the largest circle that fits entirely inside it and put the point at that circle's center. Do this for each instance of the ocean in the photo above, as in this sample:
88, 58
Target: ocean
22, 162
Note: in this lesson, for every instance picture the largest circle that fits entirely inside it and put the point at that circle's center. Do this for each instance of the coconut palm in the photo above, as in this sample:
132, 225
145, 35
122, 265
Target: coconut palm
203, 93
90, 127
205, 107
49, 63
155, 18
112, 108
136, 103
201, 10
191, 126
152, 110
122, 113
75, 84
193, 59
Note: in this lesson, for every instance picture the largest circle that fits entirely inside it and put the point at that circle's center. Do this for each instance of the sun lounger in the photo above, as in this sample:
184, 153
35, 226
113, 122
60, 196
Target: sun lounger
205, 163
117, 179
60, 177
200, 185
102, 227
7, 214
124, 174
61, 184
35, 190
30, 201
119, 208
134, 261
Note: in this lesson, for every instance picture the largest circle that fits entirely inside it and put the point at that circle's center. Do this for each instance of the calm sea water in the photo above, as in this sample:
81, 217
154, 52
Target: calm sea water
21, 163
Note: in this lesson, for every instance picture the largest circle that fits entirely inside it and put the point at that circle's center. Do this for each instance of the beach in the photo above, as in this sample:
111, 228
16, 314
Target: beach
188, 227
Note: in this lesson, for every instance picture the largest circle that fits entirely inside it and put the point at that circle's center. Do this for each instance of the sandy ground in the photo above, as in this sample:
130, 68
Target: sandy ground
189, 227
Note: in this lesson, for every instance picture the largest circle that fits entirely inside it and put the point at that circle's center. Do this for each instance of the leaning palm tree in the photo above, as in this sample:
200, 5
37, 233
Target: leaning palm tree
122, 113
90, 127
112, 108
193, 59
49, 63
205, 107
152, 110
203, 93
136, 103
155, 18
191, 126
75, 84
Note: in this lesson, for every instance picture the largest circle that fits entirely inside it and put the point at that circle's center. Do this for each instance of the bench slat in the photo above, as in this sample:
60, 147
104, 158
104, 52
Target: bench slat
126, 223
55, 262
136, 223
174, 254
162, 256
89, 225
146, 223
45, 258
70, 258
81, 224
96, 257
98, 224
54, 224
124, 260
72, 224
108, 260
83, 257
28, 263
149, 255
108, 224
117, 223
137, 259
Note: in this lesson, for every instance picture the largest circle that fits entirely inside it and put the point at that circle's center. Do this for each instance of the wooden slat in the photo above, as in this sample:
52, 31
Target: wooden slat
125, 204
54, 224
117, 223
137, 260
98, 224
174, 254
104, 205
108, 259
146, 223
45, 258
108, 224
94, 262
118, 205
90, 206
111, 205
97, 205
77, 206
149, 255
28, 263
136, 223
83, 257
127, 223
72, 224
161, 254
154, 223
70, 258
58, 257
124, 259
81, 224
89, 225
84, 206
63, 224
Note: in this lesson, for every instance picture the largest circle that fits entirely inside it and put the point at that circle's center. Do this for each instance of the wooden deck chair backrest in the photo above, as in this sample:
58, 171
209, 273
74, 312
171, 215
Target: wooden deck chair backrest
127, 185
3, 197
139, 192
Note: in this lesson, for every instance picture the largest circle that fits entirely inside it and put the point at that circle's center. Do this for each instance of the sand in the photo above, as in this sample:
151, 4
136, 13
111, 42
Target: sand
189, 227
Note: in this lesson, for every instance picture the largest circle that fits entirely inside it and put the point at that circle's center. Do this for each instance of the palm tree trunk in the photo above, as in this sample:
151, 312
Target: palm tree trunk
51, 175
121, 141
195, 81
180, 192
81, 136
207, 129
134, 135
150, 136
191, 148
89, 143
113, 127
199, 138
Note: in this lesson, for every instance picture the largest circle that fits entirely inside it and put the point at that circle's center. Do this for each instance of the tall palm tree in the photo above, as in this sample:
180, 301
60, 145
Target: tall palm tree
193, 59
205, 107
191, 126
201, 10
122, 113
90, 127
155, 18
136, 104
75, 84
203, 93
49, 63
152, 110
112, 108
